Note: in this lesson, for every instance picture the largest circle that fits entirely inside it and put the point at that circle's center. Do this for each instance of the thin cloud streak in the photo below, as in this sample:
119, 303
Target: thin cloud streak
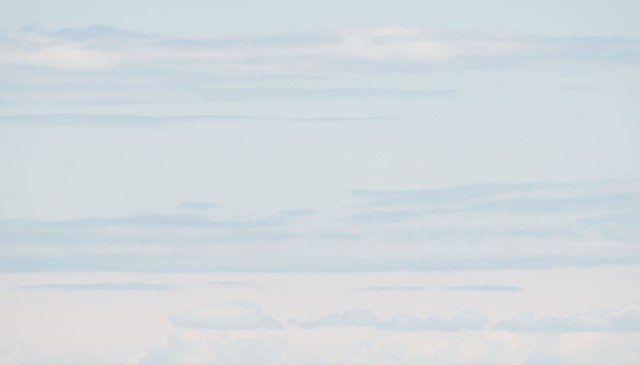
99, 287
486, 288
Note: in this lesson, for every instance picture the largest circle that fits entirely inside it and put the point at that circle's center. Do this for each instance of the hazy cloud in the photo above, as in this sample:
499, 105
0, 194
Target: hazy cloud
199, 348
350, 318
485, 288
100, 287
233, 284
489, 226
391, 288
93, 47
449, 320
143, 121
194, 205
227, 316
608, 321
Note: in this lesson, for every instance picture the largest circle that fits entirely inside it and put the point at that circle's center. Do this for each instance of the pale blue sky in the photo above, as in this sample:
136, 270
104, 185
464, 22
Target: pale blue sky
568, 17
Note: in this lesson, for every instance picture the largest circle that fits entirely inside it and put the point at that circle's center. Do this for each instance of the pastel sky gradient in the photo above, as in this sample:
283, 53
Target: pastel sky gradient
329, 183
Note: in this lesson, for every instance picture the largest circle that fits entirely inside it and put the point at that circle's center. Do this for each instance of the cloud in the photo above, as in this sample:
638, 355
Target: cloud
104, 65
604, 321
195, 205
143, 121
454, 195
227, 316
64, 57
140, 228
350, 318
403, 322
201, 348
455, 320
100, 287
92, 32
449, 320
391, 288
102, 47
516, 213
425, 348
234, 284
486, 348
52, 51
400, 205
485, 288
488, 226
450, 340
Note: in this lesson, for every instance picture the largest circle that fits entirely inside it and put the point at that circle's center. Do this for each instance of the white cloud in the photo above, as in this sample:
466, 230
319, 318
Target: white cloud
416, 45
103, 47
192, 347
607, 321
350, 318
230, 315
449, 320
56, 53
490, 348
470, 348
75, 58
623, 320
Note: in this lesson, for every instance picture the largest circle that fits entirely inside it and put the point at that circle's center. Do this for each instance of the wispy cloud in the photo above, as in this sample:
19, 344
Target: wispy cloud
486, 288
532, 227
194, 205
114, 120
103, 65
231, 284
99, 287
104, 47
391, 288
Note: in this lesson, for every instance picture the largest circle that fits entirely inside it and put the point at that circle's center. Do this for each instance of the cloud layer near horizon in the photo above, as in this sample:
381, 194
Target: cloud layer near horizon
228, 316
472, 346
236, 315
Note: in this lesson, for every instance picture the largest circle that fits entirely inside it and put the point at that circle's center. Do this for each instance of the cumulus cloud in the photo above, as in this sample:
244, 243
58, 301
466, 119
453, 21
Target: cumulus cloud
350, 318
403, 322
227, 316
449, 320
603, 321
446, 345
477, 348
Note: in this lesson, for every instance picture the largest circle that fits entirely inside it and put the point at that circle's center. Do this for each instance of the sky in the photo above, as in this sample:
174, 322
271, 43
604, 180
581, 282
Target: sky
334, 183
